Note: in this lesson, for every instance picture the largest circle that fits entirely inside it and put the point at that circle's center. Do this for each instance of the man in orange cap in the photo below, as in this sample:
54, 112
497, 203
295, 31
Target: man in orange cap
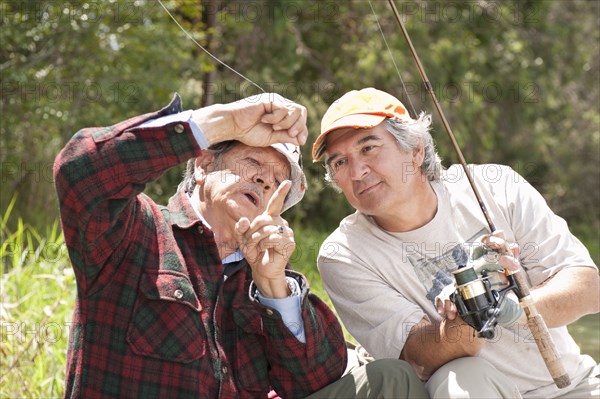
386, 266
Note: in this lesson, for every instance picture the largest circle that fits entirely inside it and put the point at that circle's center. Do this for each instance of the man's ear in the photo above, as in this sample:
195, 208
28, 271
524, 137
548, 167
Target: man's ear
202, 166
419, 155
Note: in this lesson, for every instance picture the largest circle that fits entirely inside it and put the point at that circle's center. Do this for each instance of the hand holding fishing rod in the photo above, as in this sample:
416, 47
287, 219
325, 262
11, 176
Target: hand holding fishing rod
538, 327
491, 264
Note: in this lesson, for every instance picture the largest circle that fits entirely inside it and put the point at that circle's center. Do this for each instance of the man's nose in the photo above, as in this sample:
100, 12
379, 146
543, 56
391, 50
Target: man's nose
264, 181
358, 169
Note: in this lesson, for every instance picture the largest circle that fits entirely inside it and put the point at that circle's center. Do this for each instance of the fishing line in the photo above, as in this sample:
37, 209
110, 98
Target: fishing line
206, 51
393, 60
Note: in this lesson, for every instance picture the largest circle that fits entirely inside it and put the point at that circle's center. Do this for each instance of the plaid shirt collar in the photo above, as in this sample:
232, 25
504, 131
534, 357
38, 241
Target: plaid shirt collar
182, 214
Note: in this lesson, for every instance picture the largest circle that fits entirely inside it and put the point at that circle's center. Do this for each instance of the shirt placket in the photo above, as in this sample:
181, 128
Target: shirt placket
221, 367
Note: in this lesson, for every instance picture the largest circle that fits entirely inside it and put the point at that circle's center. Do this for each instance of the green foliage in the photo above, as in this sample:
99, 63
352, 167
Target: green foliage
516, 80
36, 302
589, 237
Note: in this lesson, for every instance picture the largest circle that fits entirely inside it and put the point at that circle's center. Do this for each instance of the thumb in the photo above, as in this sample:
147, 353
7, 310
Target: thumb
250, 252
241, 227
516, 251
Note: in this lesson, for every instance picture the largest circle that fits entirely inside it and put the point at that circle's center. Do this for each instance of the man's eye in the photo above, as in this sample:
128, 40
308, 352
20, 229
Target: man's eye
253, 161
339, 163
368, 148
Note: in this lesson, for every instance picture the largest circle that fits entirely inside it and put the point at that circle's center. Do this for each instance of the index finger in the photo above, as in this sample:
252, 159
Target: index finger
275, 204
496, 243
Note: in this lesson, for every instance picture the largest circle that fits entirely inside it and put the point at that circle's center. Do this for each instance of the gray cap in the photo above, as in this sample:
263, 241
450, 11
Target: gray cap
294, 156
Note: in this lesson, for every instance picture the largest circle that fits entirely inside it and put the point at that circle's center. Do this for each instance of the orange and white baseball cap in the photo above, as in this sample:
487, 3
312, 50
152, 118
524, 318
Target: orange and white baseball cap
358, 109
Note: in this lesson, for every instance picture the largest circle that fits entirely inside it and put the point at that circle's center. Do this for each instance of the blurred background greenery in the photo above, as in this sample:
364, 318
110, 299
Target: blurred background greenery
518, 80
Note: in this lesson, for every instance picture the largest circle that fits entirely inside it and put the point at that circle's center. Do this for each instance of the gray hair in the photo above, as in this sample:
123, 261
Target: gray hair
409, 136
188, 184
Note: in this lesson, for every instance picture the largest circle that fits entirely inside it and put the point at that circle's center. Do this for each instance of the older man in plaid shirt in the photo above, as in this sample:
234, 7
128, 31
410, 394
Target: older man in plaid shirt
196, 299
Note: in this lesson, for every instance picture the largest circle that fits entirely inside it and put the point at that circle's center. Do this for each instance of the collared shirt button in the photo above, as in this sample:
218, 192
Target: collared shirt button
179, 128
178, 294
269, 312
224, 370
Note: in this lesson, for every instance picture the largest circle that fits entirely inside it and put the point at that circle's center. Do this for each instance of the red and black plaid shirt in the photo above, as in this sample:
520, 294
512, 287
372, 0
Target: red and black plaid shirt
153, 316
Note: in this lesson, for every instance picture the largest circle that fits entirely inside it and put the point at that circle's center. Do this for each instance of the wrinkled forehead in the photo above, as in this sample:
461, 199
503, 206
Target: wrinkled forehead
266, 156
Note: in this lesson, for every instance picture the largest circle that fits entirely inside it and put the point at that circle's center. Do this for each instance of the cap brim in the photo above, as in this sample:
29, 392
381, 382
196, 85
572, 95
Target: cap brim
355, 121
296, 176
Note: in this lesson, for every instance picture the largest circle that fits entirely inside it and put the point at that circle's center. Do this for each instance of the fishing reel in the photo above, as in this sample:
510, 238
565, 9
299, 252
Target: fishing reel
481, 290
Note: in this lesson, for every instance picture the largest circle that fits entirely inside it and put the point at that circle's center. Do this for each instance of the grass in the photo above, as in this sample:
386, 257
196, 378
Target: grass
37, 290
36, 300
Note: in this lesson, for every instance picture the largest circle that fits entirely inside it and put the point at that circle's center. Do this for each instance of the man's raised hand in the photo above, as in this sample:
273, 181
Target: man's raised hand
257, 121
267, 243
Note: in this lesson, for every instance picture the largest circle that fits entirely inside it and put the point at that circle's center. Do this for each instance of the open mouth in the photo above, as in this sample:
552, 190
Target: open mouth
252, 197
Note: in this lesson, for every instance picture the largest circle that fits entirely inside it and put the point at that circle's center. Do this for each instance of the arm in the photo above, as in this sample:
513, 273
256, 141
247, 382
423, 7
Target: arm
289, 307
563, 279
298, 369
98, 176
568, 295
564, 297
300, 363
431, 344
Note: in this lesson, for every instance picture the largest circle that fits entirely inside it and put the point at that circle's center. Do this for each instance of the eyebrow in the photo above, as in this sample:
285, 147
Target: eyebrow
363, 140
278, 174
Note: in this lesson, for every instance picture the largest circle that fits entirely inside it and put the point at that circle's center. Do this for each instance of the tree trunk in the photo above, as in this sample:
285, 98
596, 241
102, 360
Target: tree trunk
209, 19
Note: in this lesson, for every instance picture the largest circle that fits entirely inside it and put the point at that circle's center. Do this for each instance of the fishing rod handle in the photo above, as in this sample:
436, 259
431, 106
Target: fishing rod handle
541, 334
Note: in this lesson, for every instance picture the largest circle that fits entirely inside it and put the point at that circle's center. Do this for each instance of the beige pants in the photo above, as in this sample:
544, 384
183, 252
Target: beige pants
473, 377
381, 379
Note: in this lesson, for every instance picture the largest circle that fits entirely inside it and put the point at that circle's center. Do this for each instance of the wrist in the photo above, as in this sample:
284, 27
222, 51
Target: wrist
214, 123
458, 332
276, 290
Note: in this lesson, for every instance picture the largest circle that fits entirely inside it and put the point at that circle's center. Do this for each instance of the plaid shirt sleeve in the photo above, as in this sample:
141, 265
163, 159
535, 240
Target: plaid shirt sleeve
299, 369
97, 183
